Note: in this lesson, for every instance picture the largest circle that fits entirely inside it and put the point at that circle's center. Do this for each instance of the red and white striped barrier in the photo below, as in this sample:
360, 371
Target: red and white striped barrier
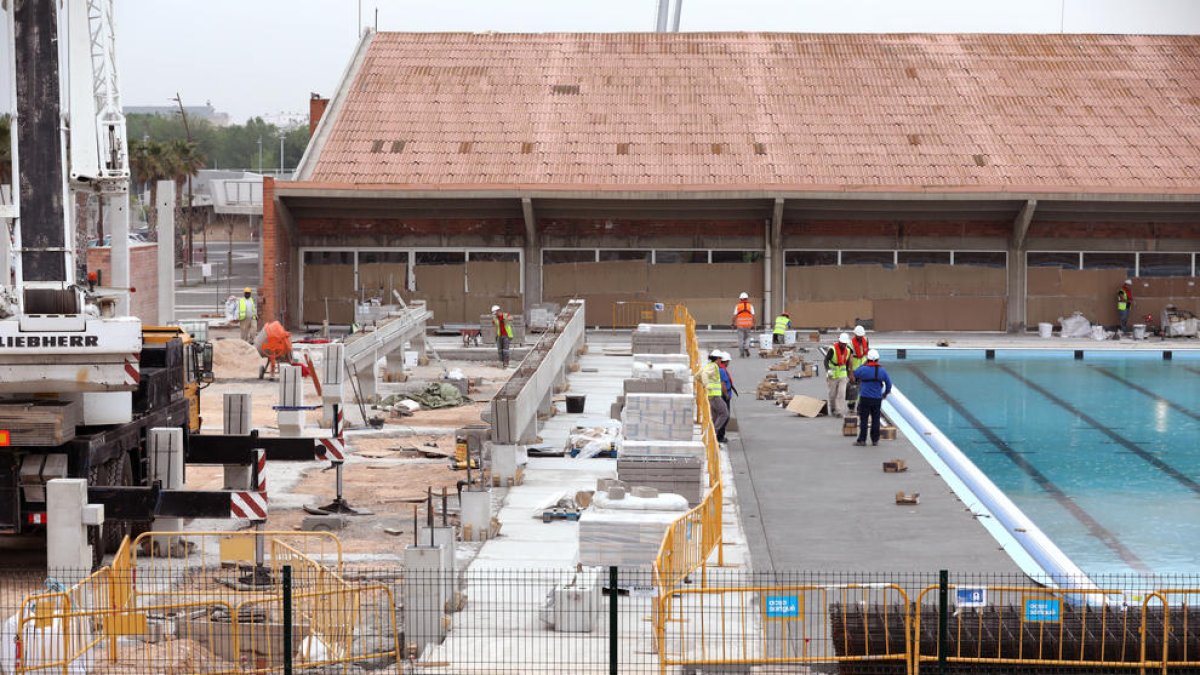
248, 505
132, 373
330, 449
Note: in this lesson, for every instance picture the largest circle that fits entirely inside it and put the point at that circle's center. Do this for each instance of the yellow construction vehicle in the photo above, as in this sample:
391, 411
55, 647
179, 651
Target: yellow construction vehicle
197, 361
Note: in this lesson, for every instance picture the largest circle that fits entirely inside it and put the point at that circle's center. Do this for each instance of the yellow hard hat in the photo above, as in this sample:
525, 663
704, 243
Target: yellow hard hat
247, 290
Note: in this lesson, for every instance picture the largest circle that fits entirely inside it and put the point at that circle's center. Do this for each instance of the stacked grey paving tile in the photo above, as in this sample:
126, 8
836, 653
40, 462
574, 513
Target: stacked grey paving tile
658, 339
677, 474
659, 417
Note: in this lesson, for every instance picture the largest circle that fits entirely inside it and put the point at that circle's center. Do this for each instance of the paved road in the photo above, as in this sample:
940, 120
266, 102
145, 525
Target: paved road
812, 501
205, 297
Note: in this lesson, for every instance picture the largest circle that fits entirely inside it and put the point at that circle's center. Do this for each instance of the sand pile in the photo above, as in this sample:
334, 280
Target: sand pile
234, 359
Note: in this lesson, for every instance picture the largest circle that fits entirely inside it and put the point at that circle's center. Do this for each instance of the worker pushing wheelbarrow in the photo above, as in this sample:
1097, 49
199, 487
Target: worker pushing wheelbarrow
274, 344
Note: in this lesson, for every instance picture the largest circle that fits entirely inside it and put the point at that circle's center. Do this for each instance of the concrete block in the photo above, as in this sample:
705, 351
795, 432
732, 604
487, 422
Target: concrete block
476, 513
68, 554
330, 523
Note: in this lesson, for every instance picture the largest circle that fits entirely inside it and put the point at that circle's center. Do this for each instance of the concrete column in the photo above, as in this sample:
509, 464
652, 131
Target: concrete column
166, 251
368, 384
68, 554
291, 395
424, 596
237, 422
116, 216
1017, 287
443, 537
333, 375
476, 514
775, 264
533, 257
166, 467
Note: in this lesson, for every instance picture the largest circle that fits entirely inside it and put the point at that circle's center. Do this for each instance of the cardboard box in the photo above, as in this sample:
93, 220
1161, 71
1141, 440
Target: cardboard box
807, 406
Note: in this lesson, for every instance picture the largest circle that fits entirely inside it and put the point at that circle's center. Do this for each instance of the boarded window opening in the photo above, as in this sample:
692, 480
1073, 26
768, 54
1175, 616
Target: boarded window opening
622, 148
376, 146
398, 147
566, 89
760, 148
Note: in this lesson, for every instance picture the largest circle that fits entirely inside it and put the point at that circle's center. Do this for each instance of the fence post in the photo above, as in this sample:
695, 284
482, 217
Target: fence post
287, 620
943, 619
613, 624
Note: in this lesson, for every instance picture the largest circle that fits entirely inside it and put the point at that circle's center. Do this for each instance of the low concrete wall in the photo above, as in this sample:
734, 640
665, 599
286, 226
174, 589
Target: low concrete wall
530, 390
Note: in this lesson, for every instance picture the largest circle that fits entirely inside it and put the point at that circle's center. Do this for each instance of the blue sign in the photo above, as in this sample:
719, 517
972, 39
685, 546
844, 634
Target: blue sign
970, 597
1043, 609
658, 307
782, 606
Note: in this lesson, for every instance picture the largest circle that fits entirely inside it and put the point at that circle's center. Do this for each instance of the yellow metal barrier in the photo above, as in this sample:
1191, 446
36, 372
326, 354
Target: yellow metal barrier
786, 624
628, 314
1043, 627
205, 589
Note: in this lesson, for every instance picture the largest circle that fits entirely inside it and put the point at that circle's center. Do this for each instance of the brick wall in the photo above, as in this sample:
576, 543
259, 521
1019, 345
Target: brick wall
276, 252
143, 277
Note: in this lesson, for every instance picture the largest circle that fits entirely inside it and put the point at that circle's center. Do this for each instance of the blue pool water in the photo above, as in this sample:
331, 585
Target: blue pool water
1103, 454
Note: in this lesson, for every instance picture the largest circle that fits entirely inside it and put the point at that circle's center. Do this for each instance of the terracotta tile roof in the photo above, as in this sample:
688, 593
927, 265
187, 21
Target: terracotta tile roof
858, 112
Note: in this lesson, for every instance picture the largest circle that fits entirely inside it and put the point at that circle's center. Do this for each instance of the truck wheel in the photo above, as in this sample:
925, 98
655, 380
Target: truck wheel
107, 538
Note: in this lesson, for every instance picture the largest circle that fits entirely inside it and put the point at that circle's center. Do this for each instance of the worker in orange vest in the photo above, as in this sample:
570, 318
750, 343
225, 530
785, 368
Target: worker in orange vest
743, 321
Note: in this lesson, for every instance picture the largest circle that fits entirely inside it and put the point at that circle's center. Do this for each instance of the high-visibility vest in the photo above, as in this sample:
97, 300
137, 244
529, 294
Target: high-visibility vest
503, 325
711, 374
1122, 300
841, 357
744, 315
861, 346
246, 309
781, 324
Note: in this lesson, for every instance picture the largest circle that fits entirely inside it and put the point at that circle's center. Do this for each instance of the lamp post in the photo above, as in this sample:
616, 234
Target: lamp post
282, 135
260, 153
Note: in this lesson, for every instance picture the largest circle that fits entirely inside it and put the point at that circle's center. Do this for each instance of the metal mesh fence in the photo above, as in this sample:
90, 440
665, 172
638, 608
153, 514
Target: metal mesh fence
307, 618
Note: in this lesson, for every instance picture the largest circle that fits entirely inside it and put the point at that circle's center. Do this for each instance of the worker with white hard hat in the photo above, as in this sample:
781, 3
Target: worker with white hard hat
1125, 304
875, 385
727, 389
859, 345
710, 379
503, 324
744, 322
247, 314
837, 371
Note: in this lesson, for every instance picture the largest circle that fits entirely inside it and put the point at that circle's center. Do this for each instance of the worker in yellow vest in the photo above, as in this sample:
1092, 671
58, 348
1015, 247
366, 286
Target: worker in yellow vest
247, 315
502, 322
710, 379
743, 321
783, 323
1125, 303
837, 373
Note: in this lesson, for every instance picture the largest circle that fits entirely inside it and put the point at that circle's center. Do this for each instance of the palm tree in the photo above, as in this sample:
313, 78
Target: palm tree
187, 160
150, 162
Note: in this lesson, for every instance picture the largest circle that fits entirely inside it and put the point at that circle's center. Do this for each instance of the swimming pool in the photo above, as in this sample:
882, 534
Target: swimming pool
1102, 452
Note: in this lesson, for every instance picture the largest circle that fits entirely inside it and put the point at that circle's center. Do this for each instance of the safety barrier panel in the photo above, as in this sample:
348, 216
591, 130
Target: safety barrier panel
213, 602
783, 624
628, 314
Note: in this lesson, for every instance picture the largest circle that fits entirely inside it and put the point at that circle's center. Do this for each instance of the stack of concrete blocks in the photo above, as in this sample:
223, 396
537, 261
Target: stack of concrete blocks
659, 338
487, 329
629, 537
659, 417
660, 448
333, 371
542, 316
290, 419
675, 474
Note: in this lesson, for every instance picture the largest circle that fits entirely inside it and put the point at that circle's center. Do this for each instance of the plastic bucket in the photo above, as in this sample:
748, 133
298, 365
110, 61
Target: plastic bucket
1139, 331
1045, 329
575, 402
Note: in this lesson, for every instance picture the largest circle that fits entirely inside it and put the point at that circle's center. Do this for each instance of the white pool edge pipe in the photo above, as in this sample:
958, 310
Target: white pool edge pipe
1058, 568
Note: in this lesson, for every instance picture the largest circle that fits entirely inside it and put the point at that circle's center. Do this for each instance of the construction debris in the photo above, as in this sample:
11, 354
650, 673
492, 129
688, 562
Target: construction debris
906, 499
788, 363
895, 466
807, 406
435, 395
771, 388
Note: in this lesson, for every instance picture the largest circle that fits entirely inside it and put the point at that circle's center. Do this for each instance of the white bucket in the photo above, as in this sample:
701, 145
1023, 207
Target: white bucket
411, 359
789, 337
1098, 333
1045, 329
764, 340
1139, 331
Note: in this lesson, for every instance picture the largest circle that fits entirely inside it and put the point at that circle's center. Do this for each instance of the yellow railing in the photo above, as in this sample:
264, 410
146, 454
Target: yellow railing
792, 624
220, 598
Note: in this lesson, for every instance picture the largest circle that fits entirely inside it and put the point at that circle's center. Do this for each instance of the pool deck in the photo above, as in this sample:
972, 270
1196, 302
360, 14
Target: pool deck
809, 500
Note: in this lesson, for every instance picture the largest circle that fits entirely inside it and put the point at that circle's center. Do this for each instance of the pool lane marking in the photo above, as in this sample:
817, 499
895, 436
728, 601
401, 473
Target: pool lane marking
1142, 390
1129, 445
1094, 527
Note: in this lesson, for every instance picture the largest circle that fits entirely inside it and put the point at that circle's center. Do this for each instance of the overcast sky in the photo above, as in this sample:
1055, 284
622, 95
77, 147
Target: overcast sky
254, 57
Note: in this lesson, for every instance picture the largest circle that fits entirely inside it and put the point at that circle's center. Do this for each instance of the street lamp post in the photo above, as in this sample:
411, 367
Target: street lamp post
260, 153
281, 137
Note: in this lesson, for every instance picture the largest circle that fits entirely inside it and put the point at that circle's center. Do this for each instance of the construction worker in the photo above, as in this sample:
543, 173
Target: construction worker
743, 321
247, 315
837, 364
1125, 303
710, 379
728, 391
860, 346
503, 324
783, 323
876, 385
